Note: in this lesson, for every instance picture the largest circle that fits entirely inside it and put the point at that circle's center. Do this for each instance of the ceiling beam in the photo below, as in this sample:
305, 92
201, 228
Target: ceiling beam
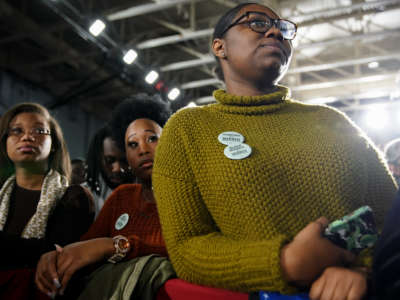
347, 81
23, 24
200, 83
305, 20
176, 38
343, 63
342, 12
145, 9
208, 59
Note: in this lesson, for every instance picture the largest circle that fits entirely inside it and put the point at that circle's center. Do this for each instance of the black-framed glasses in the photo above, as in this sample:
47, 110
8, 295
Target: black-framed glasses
35, 132
261, 23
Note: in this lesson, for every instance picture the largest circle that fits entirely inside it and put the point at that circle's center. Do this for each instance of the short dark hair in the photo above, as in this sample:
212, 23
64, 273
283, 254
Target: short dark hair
139, 106
221, 26
59, 159
94, 158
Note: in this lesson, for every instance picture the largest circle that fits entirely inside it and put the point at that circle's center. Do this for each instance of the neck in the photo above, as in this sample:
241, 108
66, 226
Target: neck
244, 88
146, 185
147, 190
29, 179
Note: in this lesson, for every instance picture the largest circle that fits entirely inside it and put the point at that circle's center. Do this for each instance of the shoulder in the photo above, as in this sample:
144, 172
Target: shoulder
187, 117
123, 191
320, 112
76, 196
77, 190
129, 187
185, 123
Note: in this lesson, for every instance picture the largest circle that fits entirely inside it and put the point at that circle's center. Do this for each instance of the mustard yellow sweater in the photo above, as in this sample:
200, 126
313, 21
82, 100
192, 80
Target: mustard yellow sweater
224, 221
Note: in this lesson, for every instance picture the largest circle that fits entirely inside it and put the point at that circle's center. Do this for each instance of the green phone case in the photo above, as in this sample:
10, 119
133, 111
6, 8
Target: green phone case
354, 232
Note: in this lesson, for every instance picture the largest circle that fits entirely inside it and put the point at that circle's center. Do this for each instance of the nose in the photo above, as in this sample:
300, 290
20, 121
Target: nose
274, 32
143, 149
27, 136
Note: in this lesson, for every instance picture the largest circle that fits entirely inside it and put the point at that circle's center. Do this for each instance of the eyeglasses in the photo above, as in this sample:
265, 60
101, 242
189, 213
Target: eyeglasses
35, 132
261, 23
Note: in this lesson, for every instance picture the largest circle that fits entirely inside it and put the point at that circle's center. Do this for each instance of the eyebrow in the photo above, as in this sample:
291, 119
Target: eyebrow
146, 130
36, 123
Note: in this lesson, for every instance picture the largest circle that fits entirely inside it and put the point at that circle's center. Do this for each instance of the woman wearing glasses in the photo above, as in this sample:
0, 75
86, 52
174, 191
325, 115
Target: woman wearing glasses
245, 187
37, 208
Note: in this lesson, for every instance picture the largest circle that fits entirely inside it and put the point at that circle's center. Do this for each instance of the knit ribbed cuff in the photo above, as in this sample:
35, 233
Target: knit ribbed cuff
263, 259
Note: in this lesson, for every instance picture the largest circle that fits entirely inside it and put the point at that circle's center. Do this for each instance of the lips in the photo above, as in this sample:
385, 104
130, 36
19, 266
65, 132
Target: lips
147, 163
27, 149
276, 46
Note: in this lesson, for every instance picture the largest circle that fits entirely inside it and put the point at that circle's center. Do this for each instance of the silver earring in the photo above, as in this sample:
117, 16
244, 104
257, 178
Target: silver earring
223, 55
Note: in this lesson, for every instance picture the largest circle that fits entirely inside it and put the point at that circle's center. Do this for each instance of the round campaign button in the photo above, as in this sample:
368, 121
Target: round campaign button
121, 221
238, 151
230, 138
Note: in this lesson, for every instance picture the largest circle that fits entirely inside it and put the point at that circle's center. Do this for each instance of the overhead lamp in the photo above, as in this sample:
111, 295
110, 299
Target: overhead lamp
97, 27
376, 118
191, 104
151, 77
373, 65
130, 56
173, 94
322, 100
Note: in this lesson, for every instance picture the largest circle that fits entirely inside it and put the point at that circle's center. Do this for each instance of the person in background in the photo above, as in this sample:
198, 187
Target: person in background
38, 208
78, 171
127, 226
107, 167
245, 187
392, 155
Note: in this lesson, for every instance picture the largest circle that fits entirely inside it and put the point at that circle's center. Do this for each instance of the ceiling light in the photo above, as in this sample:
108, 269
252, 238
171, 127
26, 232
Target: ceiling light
373, 65
130, 56
173, 94
191, 104
151, 77
322, 100
376, 118
97, 27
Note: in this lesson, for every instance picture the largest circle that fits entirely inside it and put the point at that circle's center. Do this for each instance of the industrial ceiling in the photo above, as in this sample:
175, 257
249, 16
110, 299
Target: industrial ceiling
347, 52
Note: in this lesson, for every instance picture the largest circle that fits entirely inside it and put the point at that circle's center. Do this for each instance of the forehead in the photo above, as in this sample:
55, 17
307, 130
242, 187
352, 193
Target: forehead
110, 148
29, 118
141, 125
259, 8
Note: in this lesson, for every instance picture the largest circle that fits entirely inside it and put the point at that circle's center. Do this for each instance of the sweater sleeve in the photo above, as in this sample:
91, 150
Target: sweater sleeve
101, 226
123, 200
70, 219
199, 251
380, 188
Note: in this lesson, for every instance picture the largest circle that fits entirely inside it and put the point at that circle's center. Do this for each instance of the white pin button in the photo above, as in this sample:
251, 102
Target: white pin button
121, 221
238, 151
230, 138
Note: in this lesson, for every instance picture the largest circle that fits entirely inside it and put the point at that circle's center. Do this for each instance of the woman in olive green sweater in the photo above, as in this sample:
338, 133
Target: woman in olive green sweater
240, 184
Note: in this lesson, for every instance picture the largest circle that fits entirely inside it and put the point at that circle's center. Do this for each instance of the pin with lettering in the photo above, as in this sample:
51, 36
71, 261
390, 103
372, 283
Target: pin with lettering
230, 138
238, 151
122, 221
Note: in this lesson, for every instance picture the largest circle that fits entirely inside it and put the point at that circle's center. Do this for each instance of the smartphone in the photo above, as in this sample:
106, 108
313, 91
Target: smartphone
355, 231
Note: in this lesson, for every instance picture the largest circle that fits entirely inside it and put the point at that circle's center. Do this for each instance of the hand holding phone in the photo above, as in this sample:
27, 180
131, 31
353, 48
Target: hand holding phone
354, 232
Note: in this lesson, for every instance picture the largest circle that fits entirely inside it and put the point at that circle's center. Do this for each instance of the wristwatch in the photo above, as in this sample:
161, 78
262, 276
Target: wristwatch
122, 246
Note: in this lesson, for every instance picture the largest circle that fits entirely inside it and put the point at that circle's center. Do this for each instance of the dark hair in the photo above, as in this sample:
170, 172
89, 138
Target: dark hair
139, 106
77, 161
94, 158
221, 26
59, 157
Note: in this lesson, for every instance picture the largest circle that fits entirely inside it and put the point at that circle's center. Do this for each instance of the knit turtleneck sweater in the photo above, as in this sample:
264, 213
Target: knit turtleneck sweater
225, 221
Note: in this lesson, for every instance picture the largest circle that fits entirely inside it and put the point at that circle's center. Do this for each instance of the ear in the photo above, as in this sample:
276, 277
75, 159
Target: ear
218, 47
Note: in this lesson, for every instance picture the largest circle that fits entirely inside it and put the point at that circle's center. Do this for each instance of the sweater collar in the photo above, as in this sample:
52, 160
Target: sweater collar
252, 104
